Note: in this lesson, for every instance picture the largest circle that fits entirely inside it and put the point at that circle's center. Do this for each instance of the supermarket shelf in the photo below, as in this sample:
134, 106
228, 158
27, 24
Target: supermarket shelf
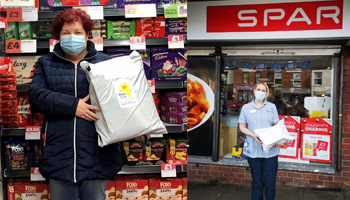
107, 13
175, 128
23, 87
151, 169
16, 173
169, 84
8, 132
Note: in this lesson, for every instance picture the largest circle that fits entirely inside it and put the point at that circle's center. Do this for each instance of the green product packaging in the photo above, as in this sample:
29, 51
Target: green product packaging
25, 30
42, 30
11, 33
113, 35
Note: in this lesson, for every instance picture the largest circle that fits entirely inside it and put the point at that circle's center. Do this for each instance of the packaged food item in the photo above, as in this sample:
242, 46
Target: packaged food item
155, 150
38, 119
174, 107
145, 55
31, 190
184, 189
25, 30
24, 112
131, 189
9, 124
42, 30
110, 190
11, 189
8, 104
122, 3
7, 89
134, 150
115, 31
6, 66
174, 118
100, 29
24, 67
151, 27
11, 32
17, 154
169, 64
177, 151
173, 97
165, 189
176, 27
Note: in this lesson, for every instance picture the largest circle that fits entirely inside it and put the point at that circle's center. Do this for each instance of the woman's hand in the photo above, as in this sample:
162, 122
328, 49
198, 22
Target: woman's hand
256, 137
141, 138
84, 110
275, 145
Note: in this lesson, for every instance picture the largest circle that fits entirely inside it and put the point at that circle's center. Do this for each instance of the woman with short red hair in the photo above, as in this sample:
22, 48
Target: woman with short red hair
71, 160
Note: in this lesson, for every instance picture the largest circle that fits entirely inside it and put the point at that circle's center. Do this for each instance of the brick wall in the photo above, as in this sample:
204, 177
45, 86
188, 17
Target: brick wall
235, 174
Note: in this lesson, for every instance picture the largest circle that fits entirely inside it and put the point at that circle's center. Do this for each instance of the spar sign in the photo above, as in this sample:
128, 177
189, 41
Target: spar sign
296, 16
290, 149
316, 140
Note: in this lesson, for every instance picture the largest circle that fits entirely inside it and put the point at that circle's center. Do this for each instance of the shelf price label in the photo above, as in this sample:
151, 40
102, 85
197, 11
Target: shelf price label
138, 43
22, 14
95, 12
140, 10
20, 46
3, 23
98, 43
35, 174
53, 42
176, 42
32, 133
168, 170
175, 10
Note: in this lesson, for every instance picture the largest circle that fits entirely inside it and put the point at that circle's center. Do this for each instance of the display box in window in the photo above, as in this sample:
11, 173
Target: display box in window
121, 30
122, 3
169, 65
56, 5
177, 151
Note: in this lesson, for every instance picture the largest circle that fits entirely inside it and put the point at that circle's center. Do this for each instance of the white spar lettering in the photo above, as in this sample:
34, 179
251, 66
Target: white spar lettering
291, 19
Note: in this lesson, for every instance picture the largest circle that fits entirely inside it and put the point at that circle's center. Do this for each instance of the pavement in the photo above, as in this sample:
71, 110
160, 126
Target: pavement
223, 191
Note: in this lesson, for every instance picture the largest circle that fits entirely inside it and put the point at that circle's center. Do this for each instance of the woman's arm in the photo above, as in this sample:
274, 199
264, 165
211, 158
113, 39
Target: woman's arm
243, 128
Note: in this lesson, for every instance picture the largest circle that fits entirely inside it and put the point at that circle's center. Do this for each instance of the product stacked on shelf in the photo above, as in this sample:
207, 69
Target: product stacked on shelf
99, 29
173, 107
121, 30
25, 189
176, 27
151, 27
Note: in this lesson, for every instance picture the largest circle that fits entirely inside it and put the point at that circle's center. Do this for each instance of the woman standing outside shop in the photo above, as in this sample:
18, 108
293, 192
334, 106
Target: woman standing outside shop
75, 165
263, 165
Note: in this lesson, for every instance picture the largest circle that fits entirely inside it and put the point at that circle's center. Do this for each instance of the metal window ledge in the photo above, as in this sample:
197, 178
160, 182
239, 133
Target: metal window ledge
319, 168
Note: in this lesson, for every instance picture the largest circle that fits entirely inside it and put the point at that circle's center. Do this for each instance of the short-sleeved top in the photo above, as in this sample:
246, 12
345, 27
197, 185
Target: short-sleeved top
256, 118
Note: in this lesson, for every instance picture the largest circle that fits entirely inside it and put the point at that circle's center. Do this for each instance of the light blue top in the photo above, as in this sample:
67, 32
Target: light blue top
264, 117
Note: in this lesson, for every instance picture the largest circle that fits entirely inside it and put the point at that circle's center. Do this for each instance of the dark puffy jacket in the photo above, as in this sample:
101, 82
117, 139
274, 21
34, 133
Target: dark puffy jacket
70, 150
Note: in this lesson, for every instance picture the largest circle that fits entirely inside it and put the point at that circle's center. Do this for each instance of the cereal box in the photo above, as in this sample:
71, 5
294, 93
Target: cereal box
165, 189
32, 191
131, 189
134, 150
177, 151
110, 190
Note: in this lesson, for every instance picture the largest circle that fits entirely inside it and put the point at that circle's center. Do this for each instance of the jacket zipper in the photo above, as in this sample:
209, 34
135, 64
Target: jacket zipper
47, 123
75, 118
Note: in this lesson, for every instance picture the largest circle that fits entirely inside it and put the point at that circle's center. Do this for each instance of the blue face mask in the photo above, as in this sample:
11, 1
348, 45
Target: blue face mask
259, 95
72, 44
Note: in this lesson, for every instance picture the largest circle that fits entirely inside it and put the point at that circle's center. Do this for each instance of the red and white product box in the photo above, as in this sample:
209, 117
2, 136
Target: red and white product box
11, 189
110, 190
151, 27
28, 190
316, 140
131, 189
24, 68
184, 189
165, 189
290, 149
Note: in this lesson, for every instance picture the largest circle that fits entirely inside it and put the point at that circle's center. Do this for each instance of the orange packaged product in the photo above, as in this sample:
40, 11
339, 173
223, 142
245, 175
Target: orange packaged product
132, 189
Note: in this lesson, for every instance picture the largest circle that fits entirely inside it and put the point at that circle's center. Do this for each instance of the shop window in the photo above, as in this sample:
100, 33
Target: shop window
278, 78
318, 78
245, 77
240, 96
257, 77
297, 79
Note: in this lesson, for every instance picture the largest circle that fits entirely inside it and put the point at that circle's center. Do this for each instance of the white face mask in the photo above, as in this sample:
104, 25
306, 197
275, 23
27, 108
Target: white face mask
259, 95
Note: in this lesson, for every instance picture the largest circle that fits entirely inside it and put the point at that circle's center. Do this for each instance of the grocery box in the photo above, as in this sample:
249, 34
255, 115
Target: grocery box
56, 5
176, 27
134, 151
155, 151
110, 190
131, 189
11, 32
42, 30
173, 97
145, 55
121, 30
25, 30
165, 189
11, 189
151, 27
173, 118
177, 151
174, 107
184, 189
169, 65
122, 3
24, 67
31, 190
100, 29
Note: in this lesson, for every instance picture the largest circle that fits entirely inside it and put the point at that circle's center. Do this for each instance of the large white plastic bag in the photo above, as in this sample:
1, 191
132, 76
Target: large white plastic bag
120, 88
272, 135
